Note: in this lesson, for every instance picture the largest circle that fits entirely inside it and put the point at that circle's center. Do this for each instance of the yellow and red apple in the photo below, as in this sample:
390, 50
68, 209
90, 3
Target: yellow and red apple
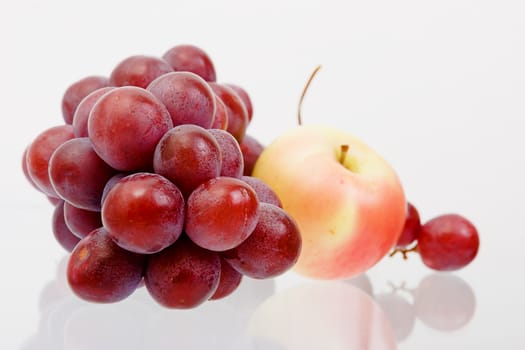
350, 208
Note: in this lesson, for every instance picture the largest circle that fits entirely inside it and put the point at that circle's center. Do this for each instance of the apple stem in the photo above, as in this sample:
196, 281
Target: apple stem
299, 119
344, 152
403, 251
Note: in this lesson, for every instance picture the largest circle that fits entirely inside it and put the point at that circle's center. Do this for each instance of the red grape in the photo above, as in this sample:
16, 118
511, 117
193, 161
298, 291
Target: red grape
188, 98
109, 185
271, 249
81, 116
80, 221
125, 126
228, 282
53, 200
251, 150
188, 155
144, 213
220, 120
411, 229
221, 213
191, 59
264, 192
448, 242
182, 275
39, 153
76, 93
26, 171
232, 161
237, 114
62, 233
101, 271
245, 99
138, 71
78, 175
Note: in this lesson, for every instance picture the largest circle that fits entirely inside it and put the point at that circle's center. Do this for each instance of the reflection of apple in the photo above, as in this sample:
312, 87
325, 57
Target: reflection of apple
327, 315
350, 208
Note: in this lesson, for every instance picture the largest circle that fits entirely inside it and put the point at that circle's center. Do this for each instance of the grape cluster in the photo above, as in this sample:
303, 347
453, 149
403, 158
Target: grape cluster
445, 243
150, 175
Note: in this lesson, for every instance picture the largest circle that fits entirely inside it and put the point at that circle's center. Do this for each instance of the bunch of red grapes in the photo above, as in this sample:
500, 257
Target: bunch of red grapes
150, 175
445, 243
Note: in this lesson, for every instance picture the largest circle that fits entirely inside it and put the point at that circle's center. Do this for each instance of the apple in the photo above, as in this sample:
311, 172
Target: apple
347, 200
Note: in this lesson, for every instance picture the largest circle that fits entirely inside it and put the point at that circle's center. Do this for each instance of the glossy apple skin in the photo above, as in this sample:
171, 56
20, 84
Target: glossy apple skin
349, 216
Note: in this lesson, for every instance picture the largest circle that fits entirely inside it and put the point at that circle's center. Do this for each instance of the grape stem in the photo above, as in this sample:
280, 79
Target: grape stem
403, 251
312, 75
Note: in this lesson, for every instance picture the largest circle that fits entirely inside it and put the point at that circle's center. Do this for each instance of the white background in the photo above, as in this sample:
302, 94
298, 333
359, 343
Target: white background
436, 87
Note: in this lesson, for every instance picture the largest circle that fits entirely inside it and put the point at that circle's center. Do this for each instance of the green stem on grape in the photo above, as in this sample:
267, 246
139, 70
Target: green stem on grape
403, 251
299, 119
344, 152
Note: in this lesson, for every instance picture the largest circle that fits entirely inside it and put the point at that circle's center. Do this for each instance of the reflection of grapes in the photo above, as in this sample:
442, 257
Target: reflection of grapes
102, 327
362, 282
400, 312
444, 302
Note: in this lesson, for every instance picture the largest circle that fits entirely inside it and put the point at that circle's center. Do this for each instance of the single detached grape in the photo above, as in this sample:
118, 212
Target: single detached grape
411, 229
39, 153
81, 116
220, 120
237, 114
188, 98
448, 242
80, 221
221, 213
232, 161
245, 99
62, 233
191, 59
251, 150
183, 275
188, 155
264, 192
78, 175
138, 71
125, 126
143, 213
76, 93
229, 281
272, 248
100, 271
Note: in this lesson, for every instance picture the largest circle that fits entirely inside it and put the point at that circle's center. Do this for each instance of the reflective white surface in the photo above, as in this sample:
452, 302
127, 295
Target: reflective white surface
260, 315
436, 87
